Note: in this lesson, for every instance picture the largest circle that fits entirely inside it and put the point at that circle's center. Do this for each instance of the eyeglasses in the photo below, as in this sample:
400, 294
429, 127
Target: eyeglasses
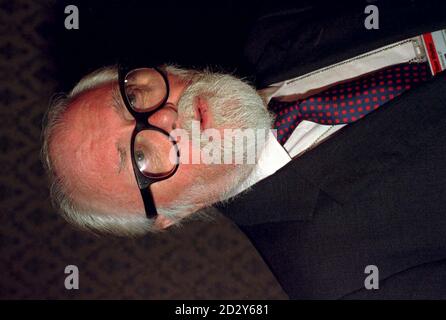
154, 153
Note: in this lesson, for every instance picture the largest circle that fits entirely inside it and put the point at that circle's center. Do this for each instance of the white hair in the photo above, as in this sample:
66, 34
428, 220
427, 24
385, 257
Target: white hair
132, 224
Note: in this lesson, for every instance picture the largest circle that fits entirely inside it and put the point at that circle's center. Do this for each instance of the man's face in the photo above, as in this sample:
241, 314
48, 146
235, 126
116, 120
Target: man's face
92, 148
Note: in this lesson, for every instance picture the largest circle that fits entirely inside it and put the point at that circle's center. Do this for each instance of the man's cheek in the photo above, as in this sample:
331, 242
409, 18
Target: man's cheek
167, 191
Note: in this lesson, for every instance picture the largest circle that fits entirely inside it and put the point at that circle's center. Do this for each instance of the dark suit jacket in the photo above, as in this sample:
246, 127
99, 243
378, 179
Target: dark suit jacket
373, 194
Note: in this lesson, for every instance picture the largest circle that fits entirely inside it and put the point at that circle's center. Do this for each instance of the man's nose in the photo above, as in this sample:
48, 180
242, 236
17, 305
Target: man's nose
165, 118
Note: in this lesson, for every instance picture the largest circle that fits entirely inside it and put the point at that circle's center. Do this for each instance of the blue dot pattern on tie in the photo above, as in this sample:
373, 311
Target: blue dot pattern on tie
350, 101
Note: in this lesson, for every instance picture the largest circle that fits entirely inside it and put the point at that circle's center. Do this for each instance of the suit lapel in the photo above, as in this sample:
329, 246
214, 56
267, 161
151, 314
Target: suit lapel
281, 197
348, 162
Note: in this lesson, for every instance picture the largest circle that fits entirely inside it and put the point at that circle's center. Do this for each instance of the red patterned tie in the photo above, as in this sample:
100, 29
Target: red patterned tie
348, 102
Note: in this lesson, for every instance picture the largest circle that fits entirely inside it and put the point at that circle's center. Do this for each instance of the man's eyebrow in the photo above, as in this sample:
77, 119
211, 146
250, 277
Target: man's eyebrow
117, 102
118, 106
122, 156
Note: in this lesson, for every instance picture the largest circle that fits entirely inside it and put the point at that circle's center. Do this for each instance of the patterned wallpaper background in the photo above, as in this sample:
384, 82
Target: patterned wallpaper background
203, 260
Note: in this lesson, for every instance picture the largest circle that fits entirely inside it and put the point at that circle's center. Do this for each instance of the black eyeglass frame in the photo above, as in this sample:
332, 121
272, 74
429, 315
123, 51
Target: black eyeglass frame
141, 124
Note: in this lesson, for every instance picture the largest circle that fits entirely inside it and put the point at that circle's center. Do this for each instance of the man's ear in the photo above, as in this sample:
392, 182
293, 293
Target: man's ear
203, 113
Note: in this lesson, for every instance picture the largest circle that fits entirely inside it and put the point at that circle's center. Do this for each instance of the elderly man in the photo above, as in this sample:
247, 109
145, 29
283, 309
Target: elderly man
351, 183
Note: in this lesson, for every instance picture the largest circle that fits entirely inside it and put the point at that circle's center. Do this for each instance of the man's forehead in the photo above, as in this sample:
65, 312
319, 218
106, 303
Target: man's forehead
85, 146
88, 120
91, 100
